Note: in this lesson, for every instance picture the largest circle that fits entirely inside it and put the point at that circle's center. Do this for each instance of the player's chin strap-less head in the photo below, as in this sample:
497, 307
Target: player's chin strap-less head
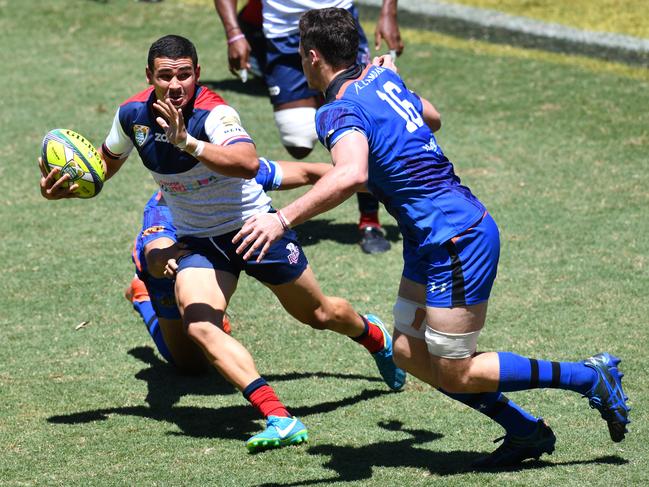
445, 345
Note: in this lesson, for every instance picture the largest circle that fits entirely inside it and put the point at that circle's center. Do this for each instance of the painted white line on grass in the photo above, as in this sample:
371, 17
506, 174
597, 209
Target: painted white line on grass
494, 19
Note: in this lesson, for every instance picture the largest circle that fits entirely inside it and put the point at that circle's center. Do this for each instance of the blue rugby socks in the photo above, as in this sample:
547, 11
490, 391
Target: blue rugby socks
521, 373
146, 311
506, 413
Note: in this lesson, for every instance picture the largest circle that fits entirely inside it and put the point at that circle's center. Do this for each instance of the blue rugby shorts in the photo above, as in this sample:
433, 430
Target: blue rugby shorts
461, 272
283, 70
283, 263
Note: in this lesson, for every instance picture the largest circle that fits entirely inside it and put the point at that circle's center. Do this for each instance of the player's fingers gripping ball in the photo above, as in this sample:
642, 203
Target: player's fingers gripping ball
76, 157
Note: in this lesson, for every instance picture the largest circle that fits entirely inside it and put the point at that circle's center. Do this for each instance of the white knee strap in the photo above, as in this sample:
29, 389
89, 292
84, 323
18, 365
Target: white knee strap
297, 127
451, 345
410, 317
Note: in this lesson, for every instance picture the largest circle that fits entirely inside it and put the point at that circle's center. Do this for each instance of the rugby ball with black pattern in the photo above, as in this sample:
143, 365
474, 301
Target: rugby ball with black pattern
74, 155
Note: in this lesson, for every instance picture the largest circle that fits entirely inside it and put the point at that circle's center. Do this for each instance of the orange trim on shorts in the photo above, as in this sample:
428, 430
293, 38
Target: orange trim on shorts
136, 259
457, 237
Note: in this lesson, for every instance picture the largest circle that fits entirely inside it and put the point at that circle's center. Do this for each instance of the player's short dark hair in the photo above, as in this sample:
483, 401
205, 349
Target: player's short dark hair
333, 32
172, 47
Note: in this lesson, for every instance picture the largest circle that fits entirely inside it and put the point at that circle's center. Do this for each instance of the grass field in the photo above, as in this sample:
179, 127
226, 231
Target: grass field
555, 146
618, 16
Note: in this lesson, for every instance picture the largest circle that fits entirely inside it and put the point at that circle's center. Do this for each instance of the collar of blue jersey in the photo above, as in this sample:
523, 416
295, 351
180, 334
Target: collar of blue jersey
352, 72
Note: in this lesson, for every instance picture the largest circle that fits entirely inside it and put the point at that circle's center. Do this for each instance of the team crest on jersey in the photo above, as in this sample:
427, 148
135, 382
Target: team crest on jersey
293, 253
141, 132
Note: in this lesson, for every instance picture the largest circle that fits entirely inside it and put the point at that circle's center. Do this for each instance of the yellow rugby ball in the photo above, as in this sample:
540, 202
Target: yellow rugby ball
74, 155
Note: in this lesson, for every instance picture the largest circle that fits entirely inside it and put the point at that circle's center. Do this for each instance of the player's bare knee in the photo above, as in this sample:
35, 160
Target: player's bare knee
401, 354
320, 318
454, 379
202, 332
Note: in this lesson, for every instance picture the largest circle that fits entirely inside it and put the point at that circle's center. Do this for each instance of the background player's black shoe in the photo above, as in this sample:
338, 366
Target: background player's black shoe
515, 449
373, 240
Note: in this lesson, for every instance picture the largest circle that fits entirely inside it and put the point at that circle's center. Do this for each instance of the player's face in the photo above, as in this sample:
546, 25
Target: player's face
174, 79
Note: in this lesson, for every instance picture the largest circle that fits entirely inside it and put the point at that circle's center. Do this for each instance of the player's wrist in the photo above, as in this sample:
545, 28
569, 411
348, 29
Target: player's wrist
234, 38
286, 224
191, 145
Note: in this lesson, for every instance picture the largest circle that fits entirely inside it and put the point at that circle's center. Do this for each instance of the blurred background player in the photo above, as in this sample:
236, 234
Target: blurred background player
204, 162
266, 31
153, 296
380, 135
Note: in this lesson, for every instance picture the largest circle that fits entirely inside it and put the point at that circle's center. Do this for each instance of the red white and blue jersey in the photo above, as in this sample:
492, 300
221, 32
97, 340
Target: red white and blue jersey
203, 203
407, 170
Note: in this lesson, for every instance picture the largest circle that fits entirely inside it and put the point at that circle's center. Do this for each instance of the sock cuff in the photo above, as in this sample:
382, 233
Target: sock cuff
507, 365
253, 386
366, 330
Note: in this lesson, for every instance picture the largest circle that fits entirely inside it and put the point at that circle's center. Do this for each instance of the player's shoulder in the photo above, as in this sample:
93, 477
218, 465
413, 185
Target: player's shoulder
207, 99
139, 98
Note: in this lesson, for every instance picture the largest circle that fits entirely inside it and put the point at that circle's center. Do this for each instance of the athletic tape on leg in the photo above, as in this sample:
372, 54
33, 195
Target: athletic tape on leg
451, 345
409, 317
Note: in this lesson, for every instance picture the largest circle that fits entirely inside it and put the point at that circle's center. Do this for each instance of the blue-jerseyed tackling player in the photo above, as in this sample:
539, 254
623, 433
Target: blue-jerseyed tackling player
380, 136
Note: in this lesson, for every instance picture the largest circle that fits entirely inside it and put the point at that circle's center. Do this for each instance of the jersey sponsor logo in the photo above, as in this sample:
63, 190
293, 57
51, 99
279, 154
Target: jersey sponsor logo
140, 132
171, 187
152, 230
162, 138
273, 90
293, 253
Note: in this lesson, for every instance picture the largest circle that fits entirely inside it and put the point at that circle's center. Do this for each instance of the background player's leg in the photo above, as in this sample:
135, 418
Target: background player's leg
187, 356
373, 239
295, 122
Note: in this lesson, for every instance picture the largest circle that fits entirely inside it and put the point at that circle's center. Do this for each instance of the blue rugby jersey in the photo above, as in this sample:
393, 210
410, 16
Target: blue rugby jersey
407, 170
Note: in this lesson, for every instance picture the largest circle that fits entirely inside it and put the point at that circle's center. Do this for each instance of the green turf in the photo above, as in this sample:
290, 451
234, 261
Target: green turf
556, 151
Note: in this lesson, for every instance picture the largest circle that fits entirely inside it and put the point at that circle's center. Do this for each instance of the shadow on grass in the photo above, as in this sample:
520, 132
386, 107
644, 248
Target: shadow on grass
353, 464
313, 232
166, 387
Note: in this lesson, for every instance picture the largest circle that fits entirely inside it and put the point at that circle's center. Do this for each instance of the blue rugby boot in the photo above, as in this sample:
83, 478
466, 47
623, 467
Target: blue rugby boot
280, 431
607, 395
516, 449
393, 376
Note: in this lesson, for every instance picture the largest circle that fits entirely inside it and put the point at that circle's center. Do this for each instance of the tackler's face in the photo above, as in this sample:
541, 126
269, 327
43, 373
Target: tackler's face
174, 79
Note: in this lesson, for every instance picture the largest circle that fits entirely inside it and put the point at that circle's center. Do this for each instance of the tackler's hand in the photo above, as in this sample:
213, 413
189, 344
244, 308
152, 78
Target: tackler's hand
258, 234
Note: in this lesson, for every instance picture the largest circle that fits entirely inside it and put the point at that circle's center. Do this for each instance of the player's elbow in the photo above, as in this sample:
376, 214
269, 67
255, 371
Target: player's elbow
249, 167
434, 123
